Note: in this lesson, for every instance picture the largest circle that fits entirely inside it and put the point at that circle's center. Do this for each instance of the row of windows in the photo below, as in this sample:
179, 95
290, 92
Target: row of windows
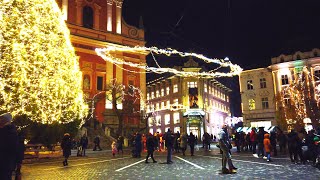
216, 105
87, 84
285, 78
264, 103
162, 92
263, 84
158, 130
161, 106
167, 119
217, 93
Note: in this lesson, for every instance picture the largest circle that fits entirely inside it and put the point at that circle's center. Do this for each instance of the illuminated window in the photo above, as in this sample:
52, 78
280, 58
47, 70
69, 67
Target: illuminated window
162, 105
249, 85
317, 75
205, 88
252, 104
192, 84
167, 90
176, 129
162, 92
157, 106
168, 104
263, 83
157, 94
176, 118
286, 99
176, 101
227, 98
148, 96
152, 95
87, 17
158, 120
175, 88
284, 79
167, 119
265, 103
148, 108
150, 121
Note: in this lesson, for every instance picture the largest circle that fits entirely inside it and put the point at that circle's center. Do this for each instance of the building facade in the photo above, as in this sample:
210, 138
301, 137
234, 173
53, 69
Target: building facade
99, 24
287, 89
258, 98
187, 104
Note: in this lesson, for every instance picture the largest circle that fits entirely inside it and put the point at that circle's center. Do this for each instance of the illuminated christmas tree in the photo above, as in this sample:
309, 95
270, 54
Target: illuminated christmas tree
39, 71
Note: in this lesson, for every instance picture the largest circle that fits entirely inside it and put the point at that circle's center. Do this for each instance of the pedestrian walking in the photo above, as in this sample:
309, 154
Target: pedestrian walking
192, 141
96, 142
8, 146
114, 148
84, 144
151, 145
224, 144
184, 143
273, 141
282, 138
293, 140
20, 154
120, 142
66, 146
260, 138
138, 144
267, 147
168, 137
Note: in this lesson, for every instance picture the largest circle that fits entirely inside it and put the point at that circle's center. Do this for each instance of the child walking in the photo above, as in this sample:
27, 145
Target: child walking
267, 146
114, 148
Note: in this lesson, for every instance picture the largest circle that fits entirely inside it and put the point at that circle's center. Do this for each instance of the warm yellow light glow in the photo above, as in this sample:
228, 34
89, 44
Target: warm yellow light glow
39, 71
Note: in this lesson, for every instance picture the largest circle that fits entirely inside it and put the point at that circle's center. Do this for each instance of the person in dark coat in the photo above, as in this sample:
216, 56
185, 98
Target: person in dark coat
282, 138
8, 146
293, 141
120, 142
273, 141
150, 147
138, 144
96, 142
260, 138
66, 146
20, 153
169, 138
192, 142
84, 144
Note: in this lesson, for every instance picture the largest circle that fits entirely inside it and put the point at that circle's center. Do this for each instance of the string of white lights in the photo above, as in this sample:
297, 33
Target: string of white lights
105, 53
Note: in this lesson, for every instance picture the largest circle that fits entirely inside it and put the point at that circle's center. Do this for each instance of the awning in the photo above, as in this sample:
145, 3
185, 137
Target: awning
194, 112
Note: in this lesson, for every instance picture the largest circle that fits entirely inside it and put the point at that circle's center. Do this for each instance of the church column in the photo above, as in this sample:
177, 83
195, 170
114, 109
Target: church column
109, 15
118, 15
97, 16
65, 9
79, 12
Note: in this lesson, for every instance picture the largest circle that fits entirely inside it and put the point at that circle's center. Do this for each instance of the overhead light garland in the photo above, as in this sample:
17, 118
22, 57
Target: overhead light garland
39, 71
106, 54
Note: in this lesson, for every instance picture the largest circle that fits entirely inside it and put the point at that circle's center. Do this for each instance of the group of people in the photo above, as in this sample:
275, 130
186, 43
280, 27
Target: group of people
299, 144
82, 144
11, 148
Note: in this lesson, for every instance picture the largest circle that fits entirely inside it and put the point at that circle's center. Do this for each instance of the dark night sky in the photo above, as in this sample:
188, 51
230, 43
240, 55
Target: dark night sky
249, 32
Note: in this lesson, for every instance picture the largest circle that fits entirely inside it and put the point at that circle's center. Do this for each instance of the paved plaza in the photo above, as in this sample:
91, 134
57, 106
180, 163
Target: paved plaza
204, 165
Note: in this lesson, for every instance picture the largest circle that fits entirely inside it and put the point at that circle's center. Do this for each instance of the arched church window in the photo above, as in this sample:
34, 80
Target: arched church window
87, 17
